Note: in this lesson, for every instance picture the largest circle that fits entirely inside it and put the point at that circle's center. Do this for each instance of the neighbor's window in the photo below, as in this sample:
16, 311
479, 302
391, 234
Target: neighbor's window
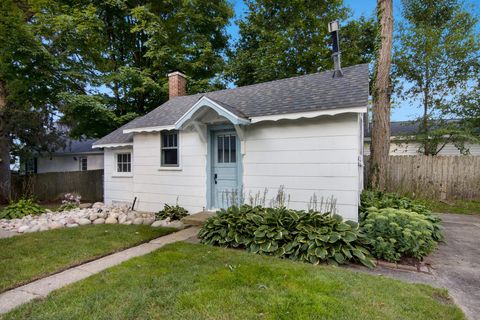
124, 162
31, 165
227, 148
83, 164
170, 149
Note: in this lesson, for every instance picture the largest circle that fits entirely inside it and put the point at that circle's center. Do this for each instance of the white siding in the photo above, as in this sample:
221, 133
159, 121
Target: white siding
68, 163
411, 149
117, 188
308, 156
154, 187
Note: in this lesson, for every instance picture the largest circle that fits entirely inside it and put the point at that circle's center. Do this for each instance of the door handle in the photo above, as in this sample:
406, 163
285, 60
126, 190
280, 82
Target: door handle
215, 178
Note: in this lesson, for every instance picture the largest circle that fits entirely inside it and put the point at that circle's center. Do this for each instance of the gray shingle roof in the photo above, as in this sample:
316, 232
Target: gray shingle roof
312, 92
76, 146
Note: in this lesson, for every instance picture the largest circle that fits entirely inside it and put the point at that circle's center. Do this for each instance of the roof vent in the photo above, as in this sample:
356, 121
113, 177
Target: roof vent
333, 28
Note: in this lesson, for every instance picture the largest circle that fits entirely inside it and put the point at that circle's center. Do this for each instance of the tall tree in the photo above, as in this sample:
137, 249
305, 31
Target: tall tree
380, 145
125, 49
29, 81
280, 39
437, 57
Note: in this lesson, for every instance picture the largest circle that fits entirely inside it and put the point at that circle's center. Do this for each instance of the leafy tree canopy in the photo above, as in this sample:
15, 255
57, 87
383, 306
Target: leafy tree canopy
280, 39
437, 57
122, 51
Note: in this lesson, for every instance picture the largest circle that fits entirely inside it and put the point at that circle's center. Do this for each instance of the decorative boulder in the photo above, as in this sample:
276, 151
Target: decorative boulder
99, 221
83, 221
157, 224
111, 220
138, 221
148, 221
22, 229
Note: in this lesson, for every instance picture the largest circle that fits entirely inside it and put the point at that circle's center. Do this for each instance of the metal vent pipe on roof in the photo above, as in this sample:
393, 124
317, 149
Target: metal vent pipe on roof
333, 28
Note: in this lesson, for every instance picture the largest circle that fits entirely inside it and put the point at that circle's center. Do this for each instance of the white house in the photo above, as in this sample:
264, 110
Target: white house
304, 133
400, 146
77, 155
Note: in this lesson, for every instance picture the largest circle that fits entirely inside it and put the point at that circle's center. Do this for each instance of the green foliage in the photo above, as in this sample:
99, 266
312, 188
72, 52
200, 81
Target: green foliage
21, 208
438, 58
68, 207
280, 39
397, 233
173, 212
381, 200
298, 235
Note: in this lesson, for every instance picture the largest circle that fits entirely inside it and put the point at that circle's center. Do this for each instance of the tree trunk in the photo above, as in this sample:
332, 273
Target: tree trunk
380, 145
5, 175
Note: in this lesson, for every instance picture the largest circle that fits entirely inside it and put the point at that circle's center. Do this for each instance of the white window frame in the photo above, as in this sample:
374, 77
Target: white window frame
116, 173
80, 162
177, 167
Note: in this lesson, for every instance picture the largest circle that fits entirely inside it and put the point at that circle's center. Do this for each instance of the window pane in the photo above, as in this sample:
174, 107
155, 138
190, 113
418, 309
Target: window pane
233, 149
119, 167
129, 157
164, 140
226, 149
170, 157
174, 140
129, 167
220, 149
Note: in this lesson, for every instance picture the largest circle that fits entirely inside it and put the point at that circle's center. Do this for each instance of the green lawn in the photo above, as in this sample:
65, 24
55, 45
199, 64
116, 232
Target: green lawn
188, 281
458, 206
31, 256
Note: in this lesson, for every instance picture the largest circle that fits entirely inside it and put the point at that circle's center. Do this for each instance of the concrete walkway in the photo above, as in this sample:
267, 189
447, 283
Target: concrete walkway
41, 288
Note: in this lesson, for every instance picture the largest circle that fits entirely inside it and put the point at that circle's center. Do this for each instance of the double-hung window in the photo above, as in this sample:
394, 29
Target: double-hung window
124, 162
83, 164
169, 149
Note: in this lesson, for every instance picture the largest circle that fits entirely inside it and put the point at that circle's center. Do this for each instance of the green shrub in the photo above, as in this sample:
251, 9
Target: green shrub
381, 200
68, 206
173, 212
21, 208
397, 233
298, 235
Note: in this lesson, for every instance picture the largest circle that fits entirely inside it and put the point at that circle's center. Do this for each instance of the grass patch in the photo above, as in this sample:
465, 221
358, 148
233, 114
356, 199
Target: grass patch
188, 281
31, 256
457, 206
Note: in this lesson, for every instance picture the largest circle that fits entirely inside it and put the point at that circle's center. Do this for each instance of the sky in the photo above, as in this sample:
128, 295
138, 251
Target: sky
401, 110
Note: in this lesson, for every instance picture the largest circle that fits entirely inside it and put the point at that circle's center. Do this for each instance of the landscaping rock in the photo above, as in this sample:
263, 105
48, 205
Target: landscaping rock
99, 221
122, 218
85, 205
55, 225
111, 220
22, 229
83, 221
148, 221
138, 221
34, 228
157, 224
71, 225
98, 205
93, 216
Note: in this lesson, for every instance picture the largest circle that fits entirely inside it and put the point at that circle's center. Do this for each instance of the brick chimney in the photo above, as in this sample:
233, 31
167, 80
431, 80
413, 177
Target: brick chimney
177, 84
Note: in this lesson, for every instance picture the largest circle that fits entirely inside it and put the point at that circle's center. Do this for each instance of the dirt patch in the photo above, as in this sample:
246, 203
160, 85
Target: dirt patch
442, 297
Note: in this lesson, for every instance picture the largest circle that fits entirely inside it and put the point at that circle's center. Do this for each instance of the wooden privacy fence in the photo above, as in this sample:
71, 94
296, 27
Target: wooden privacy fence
434, 177
50, 186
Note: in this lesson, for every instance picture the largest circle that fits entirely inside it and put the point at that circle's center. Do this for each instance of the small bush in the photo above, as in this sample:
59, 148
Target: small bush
397, 233
173, 212
381, 200
68, 207
298, 235
21, 208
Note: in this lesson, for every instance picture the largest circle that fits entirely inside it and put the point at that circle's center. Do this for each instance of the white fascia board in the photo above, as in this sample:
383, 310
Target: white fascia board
112, 145
206, 102
308, 114
148, 129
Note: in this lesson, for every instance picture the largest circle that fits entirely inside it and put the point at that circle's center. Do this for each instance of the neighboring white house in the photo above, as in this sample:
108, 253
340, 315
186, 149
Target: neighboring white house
402, 129
77, 155
304, 133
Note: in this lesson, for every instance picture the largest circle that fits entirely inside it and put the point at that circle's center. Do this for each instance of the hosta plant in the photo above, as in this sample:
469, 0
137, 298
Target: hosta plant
173, 212
298, 235
21, 208
397, 233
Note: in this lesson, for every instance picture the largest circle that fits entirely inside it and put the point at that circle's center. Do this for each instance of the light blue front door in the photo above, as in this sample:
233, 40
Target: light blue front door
225, 169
